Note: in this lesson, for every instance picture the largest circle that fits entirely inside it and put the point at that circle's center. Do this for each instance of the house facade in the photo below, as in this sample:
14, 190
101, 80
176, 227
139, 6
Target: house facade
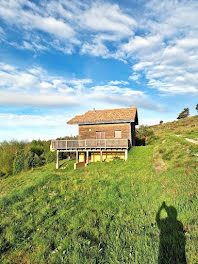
103, 135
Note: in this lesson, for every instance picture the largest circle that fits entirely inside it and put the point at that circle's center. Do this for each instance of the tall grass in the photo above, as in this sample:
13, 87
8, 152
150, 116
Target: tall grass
106, 212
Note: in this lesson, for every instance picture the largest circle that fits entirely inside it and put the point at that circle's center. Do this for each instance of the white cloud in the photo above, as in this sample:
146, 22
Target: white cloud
13, 13
142, 45
96, 48
107, 18
113, 89
166, 52
134, 77
161, 43
35, 126
35, 87
122, 97
118, 82
35, 19
39, 100
68, 24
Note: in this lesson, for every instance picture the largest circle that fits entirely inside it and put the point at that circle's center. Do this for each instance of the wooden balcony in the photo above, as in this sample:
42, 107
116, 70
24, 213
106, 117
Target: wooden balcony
89, 144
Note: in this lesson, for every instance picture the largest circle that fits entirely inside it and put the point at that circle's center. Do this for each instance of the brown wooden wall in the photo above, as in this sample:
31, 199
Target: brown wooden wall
89, 131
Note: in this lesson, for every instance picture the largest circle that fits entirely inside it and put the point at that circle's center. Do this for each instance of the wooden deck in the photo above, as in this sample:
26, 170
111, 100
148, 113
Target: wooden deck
89, 144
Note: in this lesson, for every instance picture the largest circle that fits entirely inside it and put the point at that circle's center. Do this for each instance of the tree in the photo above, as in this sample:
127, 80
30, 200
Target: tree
196, 107
161, 122
185, 113
37, 147
18, 164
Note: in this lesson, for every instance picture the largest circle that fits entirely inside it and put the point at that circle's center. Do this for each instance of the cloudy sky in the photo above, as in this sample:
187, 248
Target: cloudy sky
59, 58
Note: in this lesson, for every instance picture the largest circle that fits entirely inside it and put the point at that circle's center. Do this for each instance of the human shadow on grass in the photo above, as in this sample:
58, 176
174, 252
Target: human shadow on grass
172, 237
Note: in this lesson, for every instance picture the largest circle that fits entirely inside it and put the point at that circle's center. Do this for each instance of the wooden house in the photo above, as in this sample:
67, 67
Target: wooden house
103, 135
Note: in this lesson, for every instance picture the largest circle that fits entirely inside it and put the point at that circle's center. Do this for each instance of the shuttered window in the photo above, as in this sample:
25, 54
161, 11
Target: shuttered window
118, 134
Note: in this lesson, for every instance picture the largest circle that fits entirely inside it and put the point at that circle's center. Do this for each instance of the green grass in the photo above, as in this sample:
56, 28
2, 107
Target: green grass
104, 213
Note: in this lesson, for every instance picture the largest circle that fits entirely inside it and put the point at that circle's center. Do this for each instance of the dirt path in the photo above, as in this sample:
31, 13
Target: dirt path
192, 140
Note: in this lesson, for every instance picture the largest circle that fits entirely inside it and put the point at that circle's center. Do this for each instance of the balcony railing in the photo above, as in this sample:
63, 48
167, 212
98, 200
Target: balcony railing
89, 144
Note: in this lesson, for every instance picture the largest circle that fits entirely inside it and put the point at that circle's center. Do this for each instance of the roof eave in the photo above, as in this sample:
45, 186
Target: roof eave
102, 122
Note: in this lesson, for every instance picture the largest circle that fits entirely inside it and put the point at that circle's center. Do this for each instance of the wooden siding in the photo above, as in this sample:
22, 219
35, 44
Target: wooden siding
89, 131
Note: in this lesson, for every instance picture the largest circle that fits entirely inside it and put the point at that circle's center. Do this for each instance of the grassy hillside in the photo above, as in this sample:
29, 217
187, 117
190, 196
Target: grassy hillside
106, 212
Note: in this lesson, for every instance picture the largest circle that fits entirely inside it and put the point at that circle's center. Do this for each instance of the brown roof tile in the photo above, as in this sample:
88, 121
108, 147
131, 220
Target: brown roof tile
106, 116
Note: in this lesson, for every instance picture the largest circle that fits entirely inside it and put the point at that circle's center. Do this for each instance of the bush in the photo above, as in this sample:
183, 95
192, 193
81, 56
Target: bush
29, 161
19, 163
8, 152
50, 156
185, 113
2, 174
32, 160
37, 147
145, 135
39, 160
139, 141
36, 161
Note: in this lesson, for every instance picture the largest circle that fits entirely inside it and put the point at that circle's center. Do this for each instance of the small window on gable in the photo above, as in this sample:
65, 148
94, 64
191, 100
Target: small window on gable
118, 134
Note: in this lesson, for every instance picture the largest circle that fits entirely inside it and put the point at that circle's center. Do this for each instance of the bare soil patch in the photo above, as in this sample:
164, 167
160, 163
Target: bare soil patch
158, 165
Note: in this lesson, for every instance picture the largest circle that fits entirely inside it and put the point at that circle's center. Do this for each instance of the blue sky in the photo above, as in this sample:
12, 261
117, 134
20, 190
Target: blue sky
59, 58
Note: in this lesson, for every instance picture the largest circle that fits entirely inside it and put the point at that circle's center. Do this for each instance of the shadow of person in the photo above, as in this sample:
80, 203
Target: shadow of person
172, 237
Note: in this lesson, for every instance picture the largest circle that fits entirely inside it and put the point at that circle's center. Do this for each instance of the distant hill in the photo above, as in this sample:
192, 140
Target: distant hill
107, 212
187, 127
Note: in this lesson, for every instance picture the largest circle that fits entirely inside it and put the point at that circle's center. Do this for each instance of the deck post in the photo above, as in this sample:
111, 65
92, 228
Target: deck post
87, 157
57, 159
126, 154
101, 156
77, 156
69, 156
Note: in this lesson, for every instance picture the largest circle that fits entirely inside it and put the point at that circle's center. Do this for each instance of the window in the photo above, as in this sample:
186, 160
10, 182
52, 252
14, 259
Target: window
100, 135
118, 134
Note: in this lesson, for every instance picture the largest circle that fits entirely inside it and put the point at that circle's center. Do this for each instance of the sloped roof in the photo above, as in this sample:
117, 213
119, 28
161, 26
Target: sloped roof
106, 116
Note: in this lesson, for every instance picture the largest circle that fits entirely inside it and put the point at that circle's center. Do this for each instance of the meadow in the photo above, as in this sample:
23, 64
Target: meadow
106, 212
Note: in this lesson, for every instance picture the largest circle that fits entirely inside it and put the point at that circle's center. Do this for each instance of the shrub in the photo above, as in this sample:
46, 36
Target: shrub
36, 161
139, 141
2, 174
19, 163
185, 113
29, 161
145, 135
8, 152
37, 147
50, 156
